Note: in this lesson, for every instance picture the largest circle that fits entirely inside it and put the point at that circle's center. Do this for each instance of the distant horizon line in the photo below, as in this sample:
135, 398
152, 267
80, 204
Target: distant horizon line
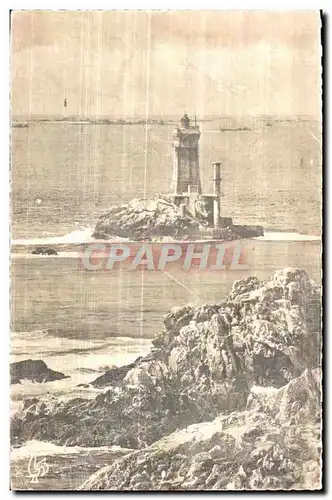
31, 116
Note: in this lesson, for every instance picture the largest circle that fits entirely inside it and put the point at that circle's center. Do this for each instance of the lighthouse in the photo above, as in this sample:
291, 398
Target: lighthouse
186, 188
186, 174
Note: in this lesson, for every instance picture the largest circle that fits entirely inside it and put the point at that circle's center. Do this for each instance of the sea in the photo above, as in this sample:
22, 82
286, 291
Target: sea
66, 174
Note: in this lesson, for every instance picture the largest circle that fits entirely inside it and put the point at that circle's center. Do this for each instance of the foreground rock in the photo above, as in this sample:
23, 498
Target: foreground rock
204, 363
34, 370
114, 376
275, 443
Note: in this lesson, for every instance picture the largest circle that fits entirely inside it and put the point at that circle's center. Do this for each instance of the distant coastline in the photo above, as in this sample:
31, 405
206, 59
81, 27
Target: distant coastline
232, 122
79, 121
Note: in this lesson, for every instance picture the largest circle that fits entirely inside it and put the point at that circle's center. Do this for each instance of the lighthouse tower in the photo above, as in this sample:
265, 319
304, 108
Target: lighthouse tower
186, 175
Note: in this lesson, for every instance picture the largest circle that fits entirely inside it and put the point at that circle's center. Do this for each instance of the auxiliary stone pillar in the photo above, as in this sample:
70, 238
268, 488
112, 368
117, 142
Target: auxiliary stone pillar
216, 192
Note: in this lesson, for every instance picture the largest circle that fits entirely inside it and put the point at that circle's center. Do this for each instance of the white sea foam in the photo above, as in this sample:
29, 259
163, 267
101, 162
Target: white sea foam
70, 355
80, 359
41, 448
257, 389
84, 236
286, 236
63, 255
77, 236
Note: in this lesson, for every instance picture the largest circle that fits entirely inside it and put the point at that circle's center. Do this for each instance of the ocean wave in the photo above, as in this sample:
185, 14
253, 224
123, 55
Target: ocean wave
47, 342
79, 359
286, 236
77, 236
84, 236
41, 448
38, 334
68, 354
63, 255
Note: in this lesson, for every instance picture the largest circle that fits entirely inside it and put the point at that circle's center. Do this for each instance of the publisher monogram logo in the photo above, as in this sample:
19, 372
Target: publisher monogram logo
37, 468
163, 256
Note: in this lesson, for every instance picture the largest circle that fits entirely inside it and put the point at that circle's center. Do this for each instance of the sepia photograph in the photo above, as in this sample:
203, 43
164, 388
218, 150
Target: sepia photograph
166, 250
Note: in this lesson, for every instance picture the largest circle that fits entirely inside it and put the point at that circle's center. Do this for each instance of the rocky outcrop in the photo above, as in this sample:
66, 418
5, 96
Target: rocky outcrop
246, 231
237, 232
125, 415
44, 251
34, 370
145, 219
155, 218
273, 444
114, 376
267, 333
204, 363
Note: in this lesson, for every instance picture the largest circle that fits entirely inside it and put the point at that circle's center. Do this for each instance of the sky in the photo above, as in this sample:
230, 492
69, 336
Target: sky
136, 63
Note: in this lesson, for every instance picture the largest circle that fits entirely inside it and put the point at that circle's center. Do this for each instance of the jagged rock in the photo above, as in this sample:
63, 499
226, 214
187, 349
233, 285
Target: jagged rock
44, 251
114, 376
271, 448
235, 232
34, 370
144, 219
208, 359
